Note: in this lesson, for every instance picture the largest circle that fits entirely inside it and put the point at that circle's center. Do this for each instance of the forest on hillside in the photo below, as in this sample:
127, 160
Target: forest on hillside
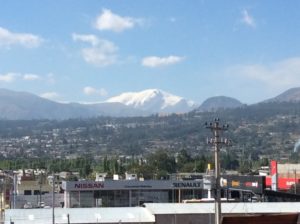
258, 133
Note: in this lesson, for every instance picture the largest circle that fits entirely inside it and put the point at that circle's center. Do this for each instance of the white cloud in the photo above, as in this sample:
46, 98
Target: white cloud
12, 76
99, 57
31, 77
9, 77
92, 39
277, 76
88, 90
110, 21
50, 95
154, 61
102, 53
248, 19
28, 40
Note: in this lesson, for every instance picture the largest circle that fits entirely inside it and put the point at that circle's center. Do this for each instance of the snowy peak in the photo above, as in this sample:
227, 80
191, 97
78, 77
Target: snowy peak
154, 100
137, 99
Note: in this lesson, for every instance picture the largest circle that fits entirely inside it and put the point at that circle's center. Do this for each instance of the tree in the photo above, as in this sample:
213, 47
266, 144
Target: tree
85, 170
183, 158
229, 161
161, 163
201, 163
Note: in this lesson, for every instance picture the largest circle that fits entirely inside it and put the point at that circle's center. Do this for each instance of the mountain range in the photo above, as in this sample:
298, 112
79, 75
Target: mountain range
26, 106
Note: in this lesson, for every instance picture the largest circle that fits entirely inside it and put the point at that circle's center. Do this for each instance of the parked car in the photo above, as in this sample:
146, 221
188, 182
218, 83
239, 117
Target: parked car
28, 205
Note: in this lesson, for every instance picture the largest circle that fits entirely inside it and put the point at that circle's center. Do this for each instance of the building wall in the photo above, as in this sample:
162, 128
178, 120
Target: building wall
34, 200
126, 198
185, 219
32, 186
289, 170
114, 198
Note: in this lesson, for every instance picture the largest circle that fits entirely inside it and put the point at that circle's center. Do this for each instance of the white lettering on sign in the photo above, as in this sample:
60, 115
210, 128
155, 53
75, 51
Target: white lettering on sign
289, 183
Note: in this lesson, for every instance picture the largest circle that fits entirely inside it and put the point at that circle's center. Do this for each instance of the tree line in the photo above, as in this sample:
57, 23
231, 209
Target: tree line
158, 165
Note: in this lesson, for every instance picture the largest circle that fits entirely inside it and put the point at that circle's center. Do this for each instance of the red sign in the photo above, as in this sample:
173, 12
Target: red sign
283, 183
251, 184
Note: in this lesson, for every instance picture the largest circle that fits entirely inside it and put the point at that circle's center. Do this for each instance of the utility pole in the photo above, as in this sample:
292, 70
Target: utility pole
40, 183
53, 198
217, 141
15, 182
295, 185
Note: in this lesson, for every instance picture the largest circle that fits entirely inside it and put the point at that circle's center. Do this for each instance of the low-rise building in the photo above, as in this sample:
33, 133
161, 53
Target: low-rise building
128, 193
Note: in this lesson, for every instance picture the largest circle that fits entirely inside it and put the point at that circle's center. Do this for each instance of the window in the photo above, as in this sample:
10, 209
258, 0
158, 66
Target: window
27, 192
36, 192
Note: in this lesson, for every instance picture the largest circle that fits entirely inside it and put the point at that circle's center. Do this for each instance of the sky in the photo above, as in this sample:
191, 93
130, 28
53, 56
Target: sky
89, 51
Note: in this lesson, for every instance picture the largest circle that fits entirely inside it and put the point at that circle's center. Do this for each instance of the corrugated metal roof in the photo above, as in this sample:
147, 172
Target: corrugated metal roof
80, 215
193, 208
140, 214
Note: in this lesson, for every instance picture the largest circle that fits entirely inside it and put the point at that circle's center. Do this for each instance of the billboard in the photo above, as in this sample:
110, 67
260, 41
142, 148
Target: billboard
256, 184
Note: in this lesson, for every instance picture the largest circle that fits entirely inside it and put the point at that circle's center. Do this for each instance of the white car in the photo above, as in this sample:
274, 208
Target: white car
28, 205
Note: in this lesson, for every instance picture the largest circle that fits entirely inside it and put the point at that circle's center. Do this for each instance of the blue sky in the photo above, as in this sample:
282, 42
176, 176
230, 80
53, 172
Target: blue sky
88, 51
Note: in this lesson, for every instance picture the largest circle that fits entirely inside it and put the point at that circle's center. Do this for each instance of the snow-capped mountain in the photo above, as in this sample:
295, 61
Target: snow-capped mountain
154, 101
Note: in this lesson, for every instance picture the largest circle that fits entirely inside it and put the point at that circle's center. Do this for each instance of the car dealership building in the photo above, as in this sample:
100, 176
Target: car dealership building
129, 193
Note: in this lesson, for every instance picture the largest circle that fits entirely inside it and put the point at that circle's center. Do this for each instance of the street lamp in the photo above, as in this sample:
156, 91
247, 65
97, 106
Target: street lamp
217, 141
